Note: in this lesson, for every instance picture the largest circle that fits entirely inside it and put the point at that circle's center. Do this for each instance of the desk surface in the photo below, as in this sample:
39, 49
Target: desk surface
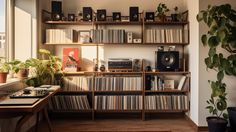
29, 108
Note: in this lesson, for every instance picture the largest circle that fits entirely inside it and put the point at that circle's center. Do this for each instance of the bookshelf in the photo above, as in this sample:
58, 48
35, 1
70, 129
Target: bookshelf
113, 98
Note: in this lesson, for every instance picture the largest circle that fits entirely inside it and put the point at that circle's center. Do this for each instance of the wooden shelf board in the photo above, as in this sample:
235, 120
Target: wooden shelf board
80, 44
119, 72
70, 92
149, 44
117, 23
165, 111
118, 111
169, 72
118, 92
165, 23
69, 22
79, 73
70, 111
166, 91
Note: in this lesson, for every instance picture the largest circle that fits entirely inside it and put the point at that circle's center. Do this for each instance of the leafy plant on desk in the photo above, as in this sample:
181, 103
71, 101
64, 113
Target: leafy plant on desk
45, 70
221, 21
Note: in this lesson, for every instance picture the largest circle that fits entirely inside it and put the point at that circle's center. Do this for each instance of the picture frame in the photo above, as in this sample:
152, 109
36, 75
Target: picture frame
169, 84
84, 36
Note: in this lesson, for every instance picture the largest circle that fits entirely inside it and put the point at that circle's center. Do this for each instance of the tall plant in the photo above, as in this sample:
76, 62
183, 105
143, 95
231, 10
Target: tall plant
221, 21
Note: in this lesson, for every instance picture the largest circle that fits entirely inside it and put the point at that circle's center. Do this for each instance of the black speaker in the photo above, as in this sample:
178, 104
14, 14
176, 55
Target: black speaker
101, 15
116, 16
56, 9
133, 14
150, 16
148, 82
167, 60
87, 14
71, 17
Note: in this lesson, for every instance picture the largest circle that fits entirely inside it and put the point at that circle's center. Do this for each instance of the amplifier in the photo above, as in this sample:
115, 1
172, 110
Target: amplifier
119, 64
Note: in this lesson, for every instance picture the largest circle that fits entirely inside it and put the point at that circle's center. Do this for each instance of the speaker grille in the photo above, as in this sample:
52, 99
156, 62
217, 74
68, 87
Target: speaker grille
167, 60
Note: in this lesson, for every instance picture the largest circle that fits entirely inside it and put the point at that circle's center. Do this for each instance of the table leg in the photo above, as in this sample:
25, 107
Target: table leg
37, 122
22, 120
45, 112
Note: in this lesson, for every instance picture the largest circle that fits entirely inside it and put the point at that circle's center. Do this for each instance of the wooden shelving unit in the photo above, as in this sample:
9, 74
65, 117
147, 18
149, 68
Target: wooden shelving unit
143, 93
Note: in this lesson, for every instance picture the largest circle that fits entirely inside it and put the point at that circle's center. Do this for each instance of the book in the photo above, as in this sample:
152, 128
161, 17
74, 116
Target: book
181, 82
70, 59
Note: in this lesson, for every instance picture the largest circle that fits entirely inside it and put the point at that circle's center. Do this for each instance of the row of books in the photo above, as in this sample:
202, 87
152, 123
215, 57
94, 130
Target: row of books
164, 36
166, 102
108, 36
118, 83
126, 102
78, 83
69, 102
157, 83
61, 36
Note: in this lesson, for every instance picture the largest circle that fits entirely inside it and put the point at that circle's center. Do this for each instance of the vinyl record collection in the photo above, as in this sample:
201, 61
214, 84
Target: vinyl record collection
125, 102
78, 83
108, 36
61, 36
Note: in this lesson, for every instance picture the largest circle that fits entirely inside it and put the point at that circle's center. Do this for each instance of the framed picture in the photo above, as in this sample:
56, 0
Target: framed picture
169, 84
70, 59
84, 36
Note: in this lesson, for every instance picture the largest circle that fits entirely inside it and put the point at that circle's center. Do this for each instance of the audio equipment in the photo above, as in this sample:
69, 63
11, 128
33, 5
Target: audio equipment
150, 16
133, 14
148, 82
56, 10
26, 93
137, 41
167, 60
101, 15
120, 64
116, 16
71, 17
87, 14
129, 37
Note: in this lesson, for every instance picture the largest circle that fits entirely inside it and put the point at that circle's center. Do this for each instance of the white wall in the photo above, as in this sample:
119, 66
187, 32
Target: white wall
25, 29
204, 76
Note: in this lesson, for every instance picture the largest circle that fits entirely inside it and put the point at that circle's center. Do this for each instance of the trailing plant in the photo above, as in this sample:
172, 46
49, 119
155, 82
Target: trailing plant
45, 69
221, 21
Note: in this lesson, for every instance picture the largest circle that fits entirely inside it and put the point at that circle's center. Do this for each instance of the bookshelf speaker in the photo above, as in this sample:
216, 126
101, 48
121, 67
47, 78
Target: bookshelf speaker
133, 14
87, 14
167, 60
149, 16
116, 16
101, 15
56, 10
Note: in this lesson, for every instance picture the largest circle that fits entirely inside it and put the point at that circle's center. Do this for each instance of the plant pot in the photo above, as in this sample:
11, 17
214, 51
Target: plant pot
174, 17
232, 118
216, 124
22, 73
3, 77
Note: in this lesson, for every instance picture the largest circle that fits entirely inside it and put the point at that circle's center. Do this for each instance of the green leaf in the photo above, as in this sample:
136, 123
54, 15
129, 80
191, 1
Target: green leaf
208, 62
221, 105
225, 115
204, 39
220, 76
199, 18
221, 34
213, 41
212, 51
205, 17
213, 29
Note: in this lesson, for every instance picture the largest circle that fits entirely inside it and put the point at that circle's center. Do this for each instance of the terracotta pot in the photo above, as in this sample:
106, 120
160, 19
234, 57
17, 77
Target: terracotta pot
23, 73
3, 77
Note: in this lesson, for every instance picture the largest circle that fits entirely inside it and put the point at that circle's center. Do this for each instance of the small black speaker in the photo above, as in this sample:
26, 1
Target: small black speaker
87, 14
150, 16
167, 60
116, 16
148, 82
101, 15
56, 9
133, 14
71, 17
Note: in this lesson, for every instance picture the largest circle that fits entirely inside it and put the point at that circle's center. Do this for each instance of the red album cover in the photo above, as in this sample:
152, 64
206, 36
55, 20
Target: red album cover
70, 59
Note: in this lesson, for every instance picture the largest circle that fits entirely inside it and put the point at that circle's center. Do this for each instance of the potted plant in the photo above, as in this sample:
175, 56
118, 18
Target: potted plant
20, 68
221, 21
161, 12
175, 15
4, 68
45, 70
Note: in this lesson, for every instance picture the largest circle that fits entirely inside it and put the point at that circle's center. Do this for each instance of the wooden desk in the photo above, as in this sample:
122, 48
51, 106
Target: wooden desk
28, 111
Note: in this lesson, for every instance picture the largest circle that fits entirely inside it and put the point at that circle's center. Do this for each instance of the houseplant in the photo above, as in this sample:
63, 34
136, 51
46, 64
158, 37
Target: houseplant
44, 70
4, 68
20, 68
161, 11
175, 15
221, 21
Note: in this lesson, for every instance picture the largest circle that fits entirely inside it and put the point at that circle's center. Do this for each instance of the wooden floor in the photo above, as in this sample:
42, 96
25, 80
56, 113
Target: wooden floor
162, 124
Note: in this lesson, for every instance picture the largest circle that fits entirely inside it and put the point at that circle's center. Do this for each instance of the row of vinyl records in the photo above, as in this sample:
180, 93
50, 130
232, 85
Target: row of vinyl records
125, 102
61, 36
69, 102
108, 36
166, 102
120, 102
165, 35
85, 83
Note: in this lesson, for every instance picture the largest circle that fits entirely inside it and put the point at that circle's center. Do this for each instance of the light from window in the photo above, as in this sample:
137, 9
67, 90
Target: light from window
3, 28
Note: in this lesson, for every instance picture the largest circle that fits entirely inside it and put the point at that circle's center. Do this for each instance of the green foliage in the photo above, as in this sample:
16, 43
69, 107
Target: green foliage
17, 65
161, 10
44, 70
4, 66
221, 21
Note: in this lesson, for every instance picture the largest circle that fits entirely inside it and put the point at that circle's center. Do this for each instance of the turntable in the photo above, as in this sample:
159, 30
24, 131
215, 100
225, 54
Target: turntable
27, 93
